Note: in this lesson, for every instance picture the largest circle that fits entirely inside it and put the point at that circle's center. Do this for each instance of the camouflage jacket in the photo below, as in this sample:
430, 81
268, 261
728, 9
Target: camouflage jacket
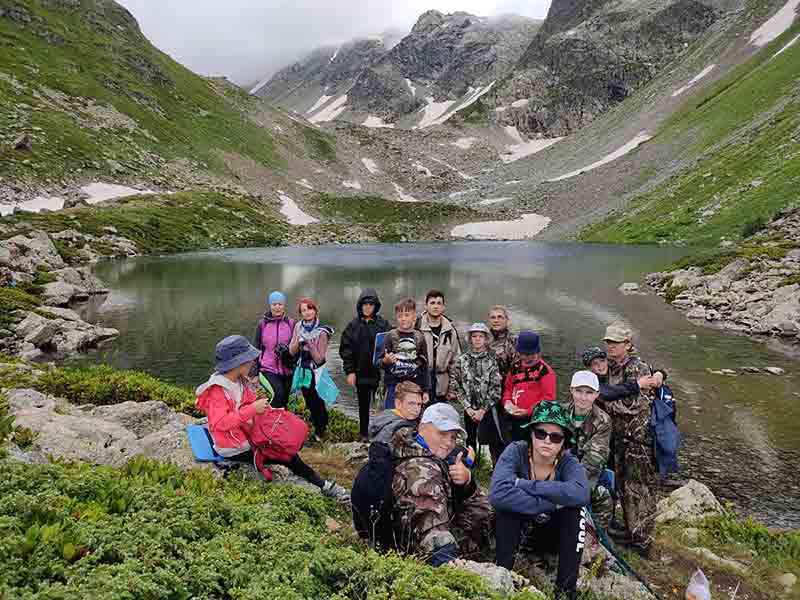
476, 380
504, 347
591, 441
632, 368
425, 497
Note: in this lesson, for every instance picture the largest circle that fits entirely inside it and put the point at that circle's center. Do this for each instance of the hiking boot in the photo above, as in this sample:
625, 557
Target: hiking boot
333, 490
617, 530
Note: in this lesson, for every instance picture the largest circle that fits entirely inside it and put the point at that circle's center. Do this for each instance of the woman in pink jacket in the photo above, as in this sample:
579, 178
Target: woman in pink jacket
273, 333
310, 342
231, 405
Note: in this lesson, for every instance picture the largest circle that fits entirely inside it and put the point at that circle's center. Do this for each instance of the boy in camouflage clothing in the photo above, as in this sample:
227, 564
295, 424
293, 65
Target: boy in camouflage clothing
476, 381
440, 512
501, 341
591, 439
634, 457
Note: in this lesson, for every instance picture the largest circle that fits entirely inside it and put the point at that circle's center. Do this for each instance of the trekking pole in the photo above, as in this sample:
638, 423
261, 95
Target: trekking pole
608, 545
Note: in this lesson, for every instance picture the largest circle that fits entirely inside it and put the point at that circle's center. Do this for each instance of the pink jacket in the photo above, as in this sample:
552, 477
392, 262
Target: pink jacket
227, 423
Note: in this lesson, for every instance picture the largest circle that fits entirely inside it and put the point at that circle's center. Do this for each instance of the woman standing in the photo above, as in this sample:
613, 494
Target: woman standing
539, 488
273, 333
310, 342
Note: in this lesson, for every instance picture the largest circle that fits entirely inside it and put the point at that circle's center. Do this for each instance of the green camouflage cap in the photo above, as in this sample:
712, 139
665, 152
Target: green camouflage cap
617, 332
548, 412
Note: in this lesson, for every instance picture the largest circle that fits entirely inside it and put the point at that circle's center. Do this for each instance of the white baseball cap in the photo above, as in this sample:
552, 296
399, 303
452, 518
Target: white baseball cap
585, 379
442, 416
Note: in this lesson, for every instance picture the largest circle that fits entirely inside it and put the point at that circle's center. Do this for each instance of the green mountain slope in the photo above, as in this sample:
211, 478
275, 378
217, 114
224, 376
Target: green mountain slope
742, 158
79, 77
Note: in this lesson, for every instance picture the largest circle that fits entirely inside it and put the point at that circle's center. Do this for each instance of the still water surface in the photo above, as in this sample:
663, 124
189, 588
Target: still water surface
742, 433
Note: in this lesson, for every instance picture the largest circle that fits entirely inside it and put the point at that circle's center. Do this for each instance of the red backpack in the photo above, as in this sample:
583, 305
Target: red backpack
277, 435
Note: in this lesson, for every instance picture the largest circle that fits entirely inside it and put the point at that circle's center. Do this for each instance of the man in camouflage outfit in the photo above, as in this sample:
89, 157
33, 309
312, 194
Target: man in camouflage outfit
634, 457
440, 513
476, 381
591, 440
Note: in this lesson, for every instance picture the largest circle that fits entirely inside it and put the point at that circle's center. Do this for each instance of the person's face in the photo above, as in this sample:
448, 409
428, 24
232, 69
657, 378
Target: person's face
435, 307
546, 448
368, 309
617, 350
528, 359
441, 443
409, 406
405, 319
599, 366
478, 341
308, 313
277, 309
245, 368
498, 320
584, 398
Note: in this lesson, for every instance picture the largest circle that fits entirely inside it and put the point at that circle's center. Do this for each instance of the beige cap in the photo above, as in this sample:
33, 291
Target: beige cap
617, 332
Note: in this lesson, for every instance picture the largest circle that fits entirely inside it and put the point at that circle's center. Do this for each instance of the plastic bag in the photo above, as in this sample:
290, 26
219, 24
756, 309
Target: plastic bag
325, 386
301, 379
699, 588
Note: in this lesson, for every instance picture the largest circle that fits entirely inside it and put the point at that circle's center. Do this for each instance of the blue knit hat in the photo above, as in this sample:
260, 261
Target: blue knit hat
528, 343
276, 297
232, 352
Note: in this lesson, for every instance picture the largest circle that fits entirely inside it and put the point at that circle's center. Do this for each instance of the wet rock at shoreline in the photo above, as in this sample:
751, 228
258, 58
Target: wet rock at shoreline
690, 503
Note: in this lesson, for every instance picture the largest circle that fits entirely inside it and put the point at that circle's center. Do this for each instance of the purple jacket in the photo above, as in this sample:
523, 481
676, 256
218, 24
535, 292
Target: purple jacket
270, 333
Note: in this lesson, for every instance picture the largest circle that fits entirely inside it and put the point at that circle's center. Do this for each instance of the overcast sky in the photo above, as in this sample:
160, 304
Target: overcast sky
245, 39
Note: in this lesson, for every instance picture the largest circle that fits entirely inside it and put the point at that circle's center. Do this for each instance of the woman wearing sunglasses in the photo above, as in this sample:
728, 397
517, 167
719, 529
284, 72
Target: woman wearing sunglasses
538, 491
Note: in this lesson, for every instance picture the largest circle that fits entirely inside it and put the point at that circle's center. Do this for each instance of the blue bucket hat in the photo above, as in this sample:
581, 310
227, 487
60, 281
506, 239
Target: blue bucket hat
276, 297
528, 343
232, 352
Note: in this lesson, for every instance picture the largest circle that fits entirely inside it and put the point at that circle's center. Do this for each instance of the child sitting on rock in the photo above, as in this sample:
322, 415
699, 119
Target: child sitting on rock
231, 405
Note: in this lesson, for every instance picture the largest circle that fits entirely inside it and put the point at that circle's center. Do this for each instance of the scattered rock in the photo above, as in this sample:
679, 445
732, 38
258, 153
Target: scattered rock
23, 143
36, 330
787, 581
354, 452
750, 370
691, 535
730, 372
497, 579
31, 252
689, 503
727, 563
774, 370
613, 585
629, 288
332, 525
58, 293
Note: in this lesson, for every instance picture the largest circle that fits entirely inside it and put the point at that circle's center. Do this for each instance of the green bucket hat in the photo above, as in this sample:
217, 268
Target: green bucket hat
548, 412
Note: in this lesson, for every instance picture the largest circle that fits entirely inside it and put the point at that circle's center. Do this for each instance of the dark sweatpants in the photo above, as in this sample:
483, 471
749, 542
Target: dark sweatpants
281, 384
366, 394
317, 408
296, 466
563, 534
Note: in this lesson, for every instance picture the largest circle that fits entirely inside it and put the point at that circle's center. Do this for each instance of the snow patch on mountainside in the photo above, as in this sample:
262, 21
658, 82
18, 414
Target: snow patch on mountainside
528, 226
776, 25
411, 87
377, 122
294, 213
619, 152
331, 111
402, 196
432, 111
693, 80
353, 185
323, 100
370, 165
490, 201
464, 143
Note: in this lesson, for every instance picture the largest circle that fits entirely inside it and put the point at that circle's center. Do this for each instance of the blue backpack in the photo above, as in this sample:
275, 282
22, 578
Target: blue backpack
664, 428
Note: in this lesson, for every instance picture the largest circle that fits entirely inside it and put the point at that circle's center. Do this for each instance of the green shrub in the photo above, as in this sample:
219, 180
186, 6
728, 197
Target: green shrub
754, 225
6, 423
101, 385
775, 548
341, 428
24, 437
791, 280
152, 531
12, 299
673, 292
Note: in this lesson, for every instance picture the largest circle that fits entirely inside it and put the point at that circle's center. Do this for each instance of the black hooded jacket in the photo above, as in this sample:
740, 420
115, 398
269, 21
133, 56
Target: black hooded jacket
358, 341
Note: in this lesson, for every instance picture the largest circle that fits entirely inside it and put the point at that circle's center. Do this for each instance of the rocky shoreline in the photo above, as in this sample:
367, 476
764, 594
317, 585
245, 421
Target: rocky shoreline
43, 323
752, 289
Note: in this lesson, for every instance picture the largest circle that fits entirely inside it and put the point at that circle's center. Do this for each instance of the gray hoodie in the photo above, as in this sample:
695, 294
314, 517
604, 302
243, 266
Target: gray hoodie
382, 427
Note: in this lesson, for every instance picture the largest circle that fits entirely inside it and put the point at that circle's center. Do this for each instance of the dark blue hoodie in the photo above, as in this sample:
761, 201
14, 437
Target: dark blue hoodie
358, 341
512, 489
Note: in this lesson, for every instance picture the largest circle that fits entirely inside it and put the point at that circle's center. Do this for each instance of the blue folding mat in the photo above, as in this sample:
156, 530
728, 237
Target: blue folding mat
202, 444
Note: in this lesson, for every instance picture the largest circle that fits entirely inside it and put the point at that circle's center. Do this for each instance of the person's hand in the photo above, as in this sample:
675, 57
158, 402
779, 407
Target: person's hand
459, 472
425, 397
389, 358
479, 414
351, 379
471, 453
658, 379
645, 382
260, 406
514, 410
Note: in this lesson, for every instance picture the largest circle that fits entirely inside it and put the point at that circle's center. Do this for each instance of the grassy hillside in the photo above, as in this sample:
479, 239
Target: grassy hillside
743, 155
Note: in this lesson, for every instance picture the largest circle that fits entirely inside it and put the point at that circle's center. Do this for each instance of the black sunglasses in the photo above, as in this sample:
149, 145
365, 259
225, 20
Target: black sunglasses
541, 435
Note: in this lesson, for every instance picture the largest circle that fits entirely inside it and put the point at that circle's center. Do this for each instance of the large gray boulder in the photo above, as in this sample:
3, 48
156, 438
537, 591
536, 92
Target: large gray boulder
498, 579
30, 252
690, 503
36, 329
82, 279
58, 293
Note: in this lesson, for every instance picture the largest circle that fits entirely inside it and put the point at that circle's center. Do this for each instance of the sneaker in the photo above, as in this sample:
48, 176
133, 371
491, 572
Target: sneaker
333, 490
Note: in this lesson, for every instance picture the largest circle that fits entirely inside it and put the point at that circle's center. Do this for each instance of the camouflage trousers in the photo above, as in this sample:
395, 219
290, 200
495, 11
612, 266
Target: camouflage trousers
634, 462
468, 525
602, 506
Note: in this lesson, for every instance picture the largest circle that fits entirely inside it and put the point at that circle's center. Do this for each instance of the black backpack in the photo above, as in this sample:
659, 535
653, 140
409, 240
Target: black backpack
371, 497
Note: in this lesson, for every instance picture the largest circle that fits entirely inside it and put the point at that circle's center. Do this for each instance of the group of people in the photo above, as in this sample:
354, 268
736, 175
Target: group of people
443, 401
